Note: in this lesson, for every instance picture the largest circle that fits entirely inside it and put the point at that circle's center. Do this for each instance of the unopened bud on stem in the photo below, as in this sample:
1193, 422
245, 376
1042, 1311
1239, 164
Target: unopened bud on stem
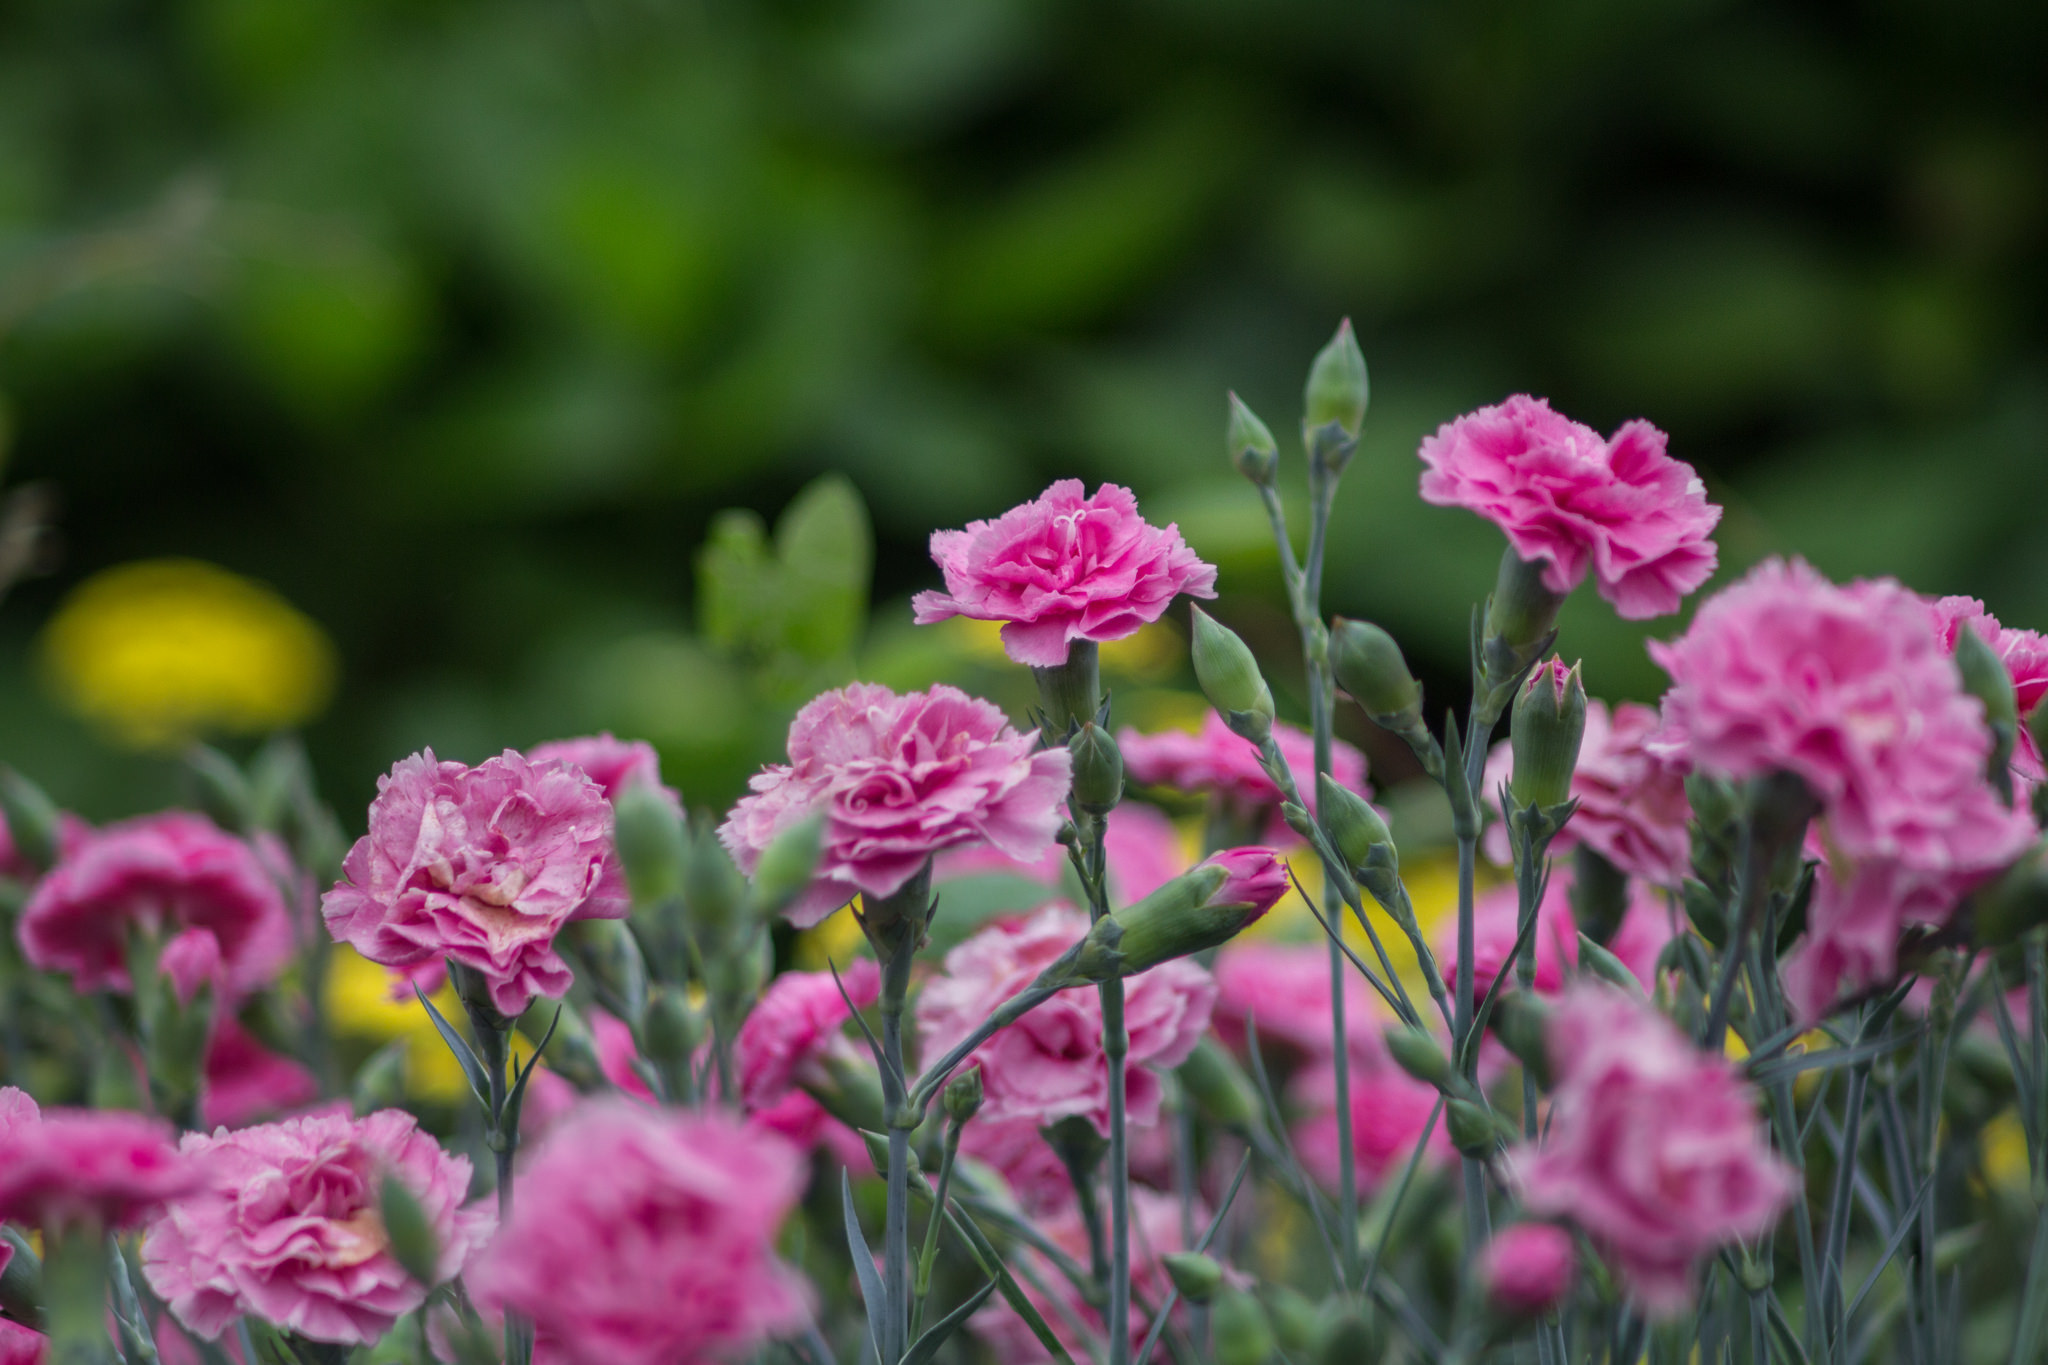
962, 1096
1098, 770
1549, 722
1196, 1276
1252, 448
1203, 907
1521, 616
1333, 404
649, 836
1369, 665
1230, 677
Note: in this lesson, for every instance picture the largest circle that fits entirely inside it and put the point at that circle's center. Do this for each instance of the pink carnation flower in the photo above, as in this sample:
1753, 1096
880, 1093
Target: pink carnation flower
174, 875
66, 1167
799, 1018
2025, 654
1049, 1065
1528, 1269
613, 764
1654, 1147
1621, 507
645, 1237
1285, 989
1141, 847
898, 779
22, 1345
1063, 568
284, 1226
1217, 760
1632, 805
483, 865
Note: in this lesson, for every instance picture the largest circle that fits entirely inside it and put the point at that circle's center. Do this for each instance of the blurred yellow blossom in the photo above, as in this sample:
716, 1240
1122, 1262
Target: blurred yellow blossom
836, 939
160, 651
360, 1005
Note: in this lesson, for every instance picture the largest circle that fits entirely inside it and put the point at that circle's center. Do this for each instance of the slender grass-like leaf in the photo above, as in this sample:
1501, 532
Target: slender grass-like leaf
871, 1292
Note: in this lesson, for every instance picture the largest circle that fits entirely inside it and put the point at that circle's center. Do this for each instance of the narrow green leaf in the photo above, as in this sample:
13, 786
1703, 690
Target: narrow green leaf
472, 1069
927, 1345
871, 1292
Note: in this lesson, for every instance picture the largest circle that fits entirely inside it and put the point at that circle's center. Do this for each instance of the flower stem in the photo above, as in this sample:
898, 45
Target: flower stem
1116, 1047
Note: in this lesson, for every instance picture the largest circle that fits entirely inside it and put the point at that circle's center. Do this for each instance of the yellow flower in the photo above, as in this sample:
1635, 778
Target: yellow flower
359, 1004
163, 650
837, 939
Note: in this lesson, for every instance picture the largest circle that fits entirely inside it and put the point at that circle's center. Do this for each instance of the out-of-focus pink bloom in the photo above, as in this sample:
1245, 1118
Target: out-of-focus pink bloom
1496, 920
1215, 759
898, 779
2025, 655
1621, 507
175, 875
1285, 989
1049, 1065
484, 865
1389, 1110
428, 975
1632, 804
1061, 568
24, 1346
1528, 1269
1851, 689
550, 1096
799, 1018
613, 764
808, 1126
644, 1237
1654, 1147
1650, 922
173, 1347
1141, 846
1018, 1151
1155, 1232
245, 1080
99, 1167
284, 1226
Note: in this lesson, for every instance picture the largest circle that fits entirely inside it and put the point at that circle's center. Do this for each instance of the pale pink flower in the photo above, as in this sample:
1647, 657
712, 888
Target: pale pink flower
1528, 1268
1496, 922
1654, 1147
1285, 989
176, 876
898, 779
642, 1236
613, 764
1632, 805
1062, 568
484, 865
798, 1020
1621, 507
65, 1167
284, 1226
245, 1080
1049, 1065
1389, 1111
1016, 1150
1215, 759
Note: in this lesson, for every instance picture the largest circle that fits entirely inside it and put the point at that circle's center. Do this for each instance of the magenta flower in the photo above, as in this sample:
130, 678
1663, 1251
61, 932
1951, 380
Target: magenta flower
799, 1018
1528, 1268
1632, 805
1063, 568
1621, 507
97, 1167
284, 1226
1049, 1065
899, 778
613, 764
645, 1237
245, 1080
1496, 920
1256, 876
1285, 989
483, 865
1654, 1147
174, 875
22, 1345
1214, 759
2025, 654
1389, 1111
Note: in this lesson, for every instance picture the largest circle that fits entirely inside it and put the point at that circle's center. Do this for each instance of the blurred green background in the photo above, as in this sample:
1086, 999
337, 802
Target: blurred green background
459, 322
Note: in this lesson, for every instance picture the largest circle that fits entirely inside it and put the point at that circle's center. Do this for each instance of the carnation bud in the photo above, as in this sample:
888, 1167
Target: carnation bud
786, 866
222, 789
2037, 726
1416, 1053
674, 1029
1527, 1269
1218, 1085
1098, 770
1252, 448
1520, 1021
1595, 960
572, 1052
1549, 722
1358, 831
31, 819
962, 1096
1203, 907
1335, 397
1353, 1337
1599, 893
1196, 1276
1474, 1131
1240, 1330
712, 885
649, 836
1369, 665
1520, 618
1230, 678
1985, 678
1297, 1321
413, 1242
380, 1080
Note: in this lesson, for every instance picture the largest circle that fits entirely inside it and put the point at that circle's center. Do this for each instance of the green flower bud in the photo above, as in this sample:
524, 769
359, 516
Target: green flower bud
1369, 665
1549, 722
962, 1096
21, 1282
1098, 770
1354, 1337
31, 819
1230, 678
1297, 1321
1337, 389
380, 1080
1985, 678
608, 951
413, 1242
1355, 827
1252, 448
1474, 1132
572, 1052
652, 849
1240, 1330
1520, 618
1418, 1054
1196, 1276
1520, 1021
1218, 1086
222, 790
851, 1091
1597, 961
786, 866
1200, 909
712, 886
674, 1029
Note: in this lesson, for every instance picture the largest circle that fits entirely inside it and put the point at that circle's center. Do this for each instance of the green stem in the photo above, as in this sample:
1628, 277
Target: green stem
75, 1283
929, 1254
900, 943
1116, 1047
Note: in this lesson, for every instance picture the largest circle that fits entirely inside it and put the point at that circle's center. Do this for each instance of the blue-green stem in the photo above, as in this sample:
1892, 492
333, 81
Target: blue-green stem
895, 927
